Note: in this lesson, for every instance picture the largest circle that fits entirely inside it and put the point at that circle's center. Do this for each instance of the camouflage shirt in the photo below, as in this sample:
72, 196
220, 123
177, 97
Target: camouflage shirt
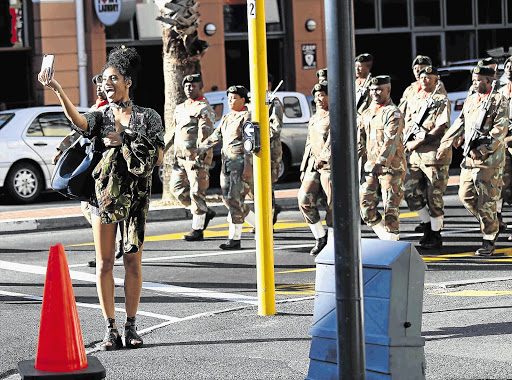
506, 90
192, 123
318, 142
276, 125
411, 92
230, 133
437, 115
494, 130
380, 130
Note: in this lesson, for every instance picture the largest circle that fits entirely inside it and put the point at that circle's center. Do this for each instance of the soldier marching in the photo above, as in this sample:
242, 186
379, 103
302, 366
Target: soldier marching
418, 128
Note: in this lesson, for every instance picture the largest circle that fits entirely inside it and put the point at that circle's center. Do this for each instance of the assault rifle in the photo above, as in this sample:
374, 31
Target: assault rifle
272, 95
476, 129
362, 91
420, 118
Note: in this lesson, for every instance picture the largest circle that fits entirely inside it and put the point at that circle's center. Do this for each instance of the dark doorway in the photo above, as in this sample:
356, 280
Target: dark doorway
150, 84
237, 62
18, 81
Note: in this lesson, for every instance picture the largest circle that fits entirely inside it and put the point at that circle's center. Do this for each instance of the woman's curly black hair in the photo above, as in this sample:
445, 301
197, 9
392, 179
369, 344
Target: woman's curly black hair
127, 61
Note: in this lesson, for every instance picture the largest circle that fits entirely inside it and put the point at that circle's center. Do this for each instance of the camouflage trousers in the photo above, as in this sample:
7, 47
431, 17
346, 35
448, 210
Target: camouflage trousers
234, 190
389, 187
479, 190
313, 185
188, 185
425, 186
506, 191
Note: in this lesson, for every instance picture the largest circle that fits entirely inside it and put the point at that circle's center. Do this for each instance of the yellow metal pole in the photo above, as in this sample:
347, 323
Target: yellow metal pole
261, 160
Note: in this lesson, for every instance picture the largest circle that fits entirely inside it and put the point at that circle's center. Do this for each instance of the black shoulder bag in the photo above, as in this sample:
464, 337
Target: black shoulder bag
72, 176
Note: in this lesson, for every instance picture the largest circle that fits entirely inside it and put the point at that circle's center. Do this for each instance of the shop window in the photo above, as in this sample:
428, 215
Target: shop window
394, 14
459, 12
491, 39
427, 13
235, 16
364, 14
489, 12
120, 31
460, 45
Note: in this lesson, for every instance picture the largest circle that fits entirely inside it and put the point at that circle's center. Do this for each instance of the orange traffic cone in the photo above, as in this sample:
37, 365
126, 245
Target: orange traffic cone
60, 346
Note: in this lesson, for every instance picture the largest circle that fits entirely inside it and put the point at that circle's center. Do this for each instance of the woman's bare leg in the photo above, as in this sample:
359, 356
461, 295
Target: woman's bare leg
132, 281
104, 241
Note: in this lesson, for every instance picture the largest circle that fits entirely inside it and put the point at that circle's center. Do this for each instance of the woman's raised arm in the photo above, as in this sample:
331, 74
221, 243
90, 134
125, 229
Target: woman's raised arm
69, 109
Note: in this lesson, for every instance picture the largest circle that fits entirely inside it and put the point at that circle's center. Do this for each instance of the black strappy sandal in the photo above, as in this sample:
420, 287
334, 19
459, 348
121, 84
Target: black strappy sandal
112, 336
131, 338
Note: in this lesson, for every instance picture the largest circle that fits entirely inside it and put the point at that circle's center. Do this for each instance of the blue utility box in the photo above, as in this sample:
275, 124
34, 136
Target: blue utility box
393, 281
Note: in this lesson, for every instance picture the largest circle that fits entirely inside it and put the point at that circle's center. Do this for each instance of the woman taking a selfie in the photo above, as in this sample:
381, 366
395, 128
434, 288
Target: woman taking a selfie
131, 139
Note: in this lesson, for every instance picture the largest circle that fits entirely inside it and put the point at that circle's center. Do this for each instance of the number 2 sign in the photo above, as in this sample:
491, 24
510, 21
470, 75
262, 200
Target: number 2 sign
251, 9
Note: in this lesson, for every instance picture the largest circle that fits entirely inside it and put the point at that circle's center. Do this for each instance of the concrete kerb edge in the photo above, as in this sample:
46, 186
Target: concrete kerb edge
157, 214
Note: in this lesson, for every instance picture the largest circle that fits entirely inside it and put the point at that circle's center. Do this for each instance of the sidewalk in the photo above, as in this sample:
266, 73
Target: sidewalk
71, 217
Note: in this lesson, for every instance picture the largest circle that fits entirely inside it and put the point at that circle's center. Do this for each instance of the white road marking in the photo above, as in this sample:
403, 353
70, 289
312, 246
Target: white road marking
214, 253
456, 283
172, 289
92, 306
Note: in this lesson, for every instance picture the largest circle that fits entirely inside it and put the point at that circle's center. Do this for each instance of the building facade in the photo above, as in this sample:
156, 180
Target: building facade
393, 31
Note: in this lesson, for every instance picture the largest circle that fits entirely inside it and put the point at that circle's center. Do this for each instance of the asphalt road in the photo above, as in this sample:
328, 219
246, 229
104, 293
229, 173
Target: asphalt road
197, 308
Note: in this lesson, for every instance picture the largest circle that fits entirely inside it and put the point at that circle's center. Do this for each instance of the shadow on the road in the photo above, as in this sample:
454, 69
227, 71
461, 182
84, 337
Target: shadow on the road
481, 329
227, 341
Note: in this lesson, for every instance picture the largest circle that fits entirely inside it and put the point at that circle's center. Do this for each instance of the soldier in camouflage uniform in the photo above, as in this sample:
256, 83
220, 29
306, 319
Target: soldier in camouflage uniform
427, 178
236, 173
380, 130
192, 123
276, 149
481, 174
506, 91
316, 169
411, 92
363, 65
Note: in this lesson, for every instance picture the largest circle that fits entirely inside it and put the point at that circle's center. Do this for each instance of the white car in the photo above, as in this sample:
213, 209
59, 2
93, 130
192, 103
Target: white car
28, 141
297, 112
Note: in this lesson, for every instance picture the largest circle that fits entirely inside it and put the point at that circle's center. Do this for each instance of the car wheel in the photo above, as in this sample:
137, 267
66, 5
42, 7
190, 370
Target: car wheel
284, 166
24, 182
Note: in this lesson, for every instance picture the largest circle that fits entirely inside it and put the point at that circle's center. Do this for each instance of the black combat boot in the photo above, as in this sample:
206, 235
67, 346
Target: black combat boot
320, 244
487, 248
210, 214
277, 211
502, 224
193, 235
421, 227
434, 240
230, 244
427, 230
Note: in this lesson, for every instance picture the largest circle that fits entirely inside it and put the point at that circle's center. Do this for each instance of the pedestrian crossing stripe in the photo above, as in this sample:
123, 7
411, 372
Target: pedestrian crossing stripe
475, 293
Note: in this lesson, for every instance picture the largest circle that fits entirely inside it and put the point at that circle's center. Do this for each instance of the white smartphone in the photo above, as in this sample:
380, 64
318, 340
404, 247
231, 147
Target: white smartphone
48, 60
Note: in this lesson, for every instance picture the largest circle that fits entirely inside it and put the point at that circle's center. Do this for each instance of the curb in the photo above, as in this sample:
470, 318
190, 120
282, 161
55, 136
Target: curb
157, 214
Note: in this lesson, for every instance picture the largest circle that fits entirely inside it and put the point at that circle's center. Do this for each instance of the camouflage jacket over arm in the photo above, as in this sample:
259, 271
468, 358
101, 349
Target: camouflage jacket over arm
494, 130
192, 123
438, 115
506, 91
318, 141
123, 175
230, 133
380, 137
